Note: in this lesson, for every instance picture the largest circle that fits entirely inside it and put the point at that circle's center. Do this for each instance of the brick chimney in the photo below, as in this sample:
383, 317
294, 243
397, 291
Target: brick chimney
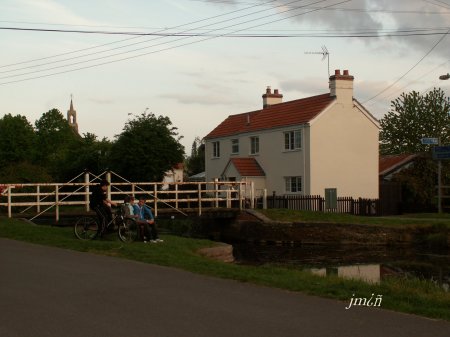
341, 86
270, 98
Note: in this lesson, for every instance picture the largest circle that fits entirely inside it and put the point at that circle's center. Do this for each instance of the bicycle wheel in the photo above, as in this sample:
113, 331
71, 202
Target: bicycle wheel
86, 228
128, 231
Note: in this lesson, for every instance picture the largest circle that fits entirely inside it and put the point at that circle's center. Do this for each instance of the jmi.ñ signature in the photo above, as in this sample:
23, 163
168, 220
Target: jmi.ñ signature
364, 301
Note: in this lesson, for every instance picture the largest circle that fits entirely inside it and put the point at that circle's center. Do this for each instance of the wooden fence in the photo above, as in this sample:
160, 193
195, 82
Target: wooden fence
360, 206
40, 198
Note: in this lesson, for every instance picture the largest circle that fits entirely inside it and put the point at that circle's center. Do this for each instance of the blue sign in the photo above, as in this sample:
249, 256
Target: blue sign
441, 152
430, 141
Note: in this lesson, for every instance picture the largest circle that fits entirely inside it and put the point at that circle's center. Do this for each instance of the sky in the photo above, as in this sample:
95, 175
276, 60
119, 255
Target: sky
203, 60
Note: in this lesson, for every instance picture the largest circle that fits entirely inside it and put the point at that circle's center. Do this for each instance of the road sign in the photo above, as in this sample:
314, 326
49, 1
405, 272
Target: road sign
430, 141
441, 152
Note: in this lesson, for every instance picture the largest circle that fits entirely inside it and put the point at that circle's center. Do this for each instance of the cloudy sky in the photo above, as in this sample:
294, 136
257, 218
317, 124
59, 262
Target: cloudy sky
198, 61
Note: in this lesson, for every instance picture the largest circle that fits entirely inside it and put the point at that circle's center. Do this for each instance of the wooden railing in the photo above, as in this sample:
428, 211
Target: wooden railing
42, 197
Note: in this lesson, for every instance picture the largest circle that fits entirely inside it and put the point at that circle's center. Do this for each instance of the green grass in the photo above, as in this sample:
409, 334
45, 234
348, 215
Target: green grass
410, 296
413, 220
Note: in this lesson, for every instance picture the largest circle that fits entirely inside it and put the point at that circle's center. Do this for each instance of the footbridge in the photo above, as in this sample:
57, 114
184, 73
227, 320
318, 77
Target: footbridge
165, 199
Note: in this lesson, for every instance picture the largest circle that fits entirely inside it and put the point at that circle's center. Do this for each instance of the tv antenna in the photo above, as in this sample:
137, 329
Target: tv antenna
325, 55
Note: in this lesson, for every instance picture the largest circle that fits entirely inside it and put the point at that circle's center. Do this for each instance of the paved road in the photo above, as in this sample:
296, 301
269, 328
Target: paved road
54, 292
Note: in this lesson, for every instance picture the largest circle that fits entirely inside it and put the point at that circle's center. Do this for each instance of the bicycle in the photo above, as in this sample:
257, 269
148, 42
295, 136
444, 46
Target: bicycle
87, 227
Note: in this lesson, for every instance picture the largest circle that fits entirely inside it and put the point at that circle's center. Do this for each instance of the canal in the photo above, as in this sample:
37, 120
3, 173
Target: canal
368, 263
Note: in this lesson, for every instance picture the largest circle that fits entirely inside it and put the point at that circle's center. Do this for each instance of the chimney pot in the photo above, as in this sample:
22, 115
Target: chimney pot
275, 91
337, 72
268, 90
345, 72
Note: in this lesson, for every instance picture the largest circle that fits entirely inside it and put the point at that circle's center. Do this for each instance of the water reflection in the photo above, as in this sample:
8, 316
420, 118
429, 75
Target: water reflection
370, 273
370, 264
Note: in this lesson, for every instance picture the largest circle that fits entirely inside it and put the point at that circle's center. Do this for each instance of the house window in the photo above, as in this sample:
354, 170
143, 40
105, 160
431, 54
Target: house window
254, 145
235, 146
293, 140
216, 149
293, 184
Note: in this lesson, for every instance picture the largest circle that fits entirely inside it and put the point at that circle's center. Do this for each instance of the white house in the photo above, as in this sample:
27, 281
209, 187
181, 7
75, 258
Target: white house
302, 146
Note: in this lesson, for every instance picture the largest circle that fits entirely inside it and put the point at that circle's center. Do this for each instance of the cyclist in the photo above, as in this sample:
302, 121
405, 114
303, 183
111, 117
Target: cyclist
101, 205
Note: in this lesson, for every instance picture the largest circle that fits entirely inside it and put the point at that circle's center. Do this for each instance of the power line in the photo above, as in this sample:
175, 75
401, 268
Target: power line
164, 49
326, 33
136, 37
415, 65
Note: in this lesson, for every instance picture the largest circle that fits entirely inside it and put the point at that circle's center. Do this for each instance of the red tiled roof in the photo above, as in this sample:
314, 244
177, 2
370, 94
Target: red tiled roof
248, 167
390, 163
295, 112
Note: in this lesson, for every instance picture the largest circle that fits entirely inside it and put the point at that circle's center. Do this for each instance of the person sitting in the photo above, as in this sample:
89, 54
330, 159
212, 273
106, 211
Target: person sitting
145, 214
100, 204
128, 212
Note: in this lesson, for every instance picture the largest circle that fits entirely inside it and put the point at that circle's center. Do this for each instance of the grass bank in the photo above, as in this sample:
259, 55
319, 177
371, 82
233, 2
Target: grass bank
410, 296
405, 220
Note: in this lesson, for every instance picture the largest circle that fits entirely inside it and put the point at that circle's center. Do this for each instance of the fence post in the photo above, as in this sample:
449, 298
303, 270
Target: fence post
252, 194
9, 202
57, 202
240, 196
86, 191
265, 198
108, 178
199, 195
38, 198
176, 195
216, 194
155, 191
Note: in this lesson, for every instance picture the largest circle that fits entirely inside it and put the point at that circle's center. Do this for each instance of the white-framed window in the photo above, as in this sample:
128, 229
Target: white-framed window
254, 145
235, 146
293, 184
216, 149
293, 140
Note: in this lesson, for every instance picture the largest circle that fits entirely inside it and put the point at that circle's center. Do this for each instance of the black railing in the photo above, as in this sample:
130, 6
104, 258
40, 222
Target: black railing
360, 206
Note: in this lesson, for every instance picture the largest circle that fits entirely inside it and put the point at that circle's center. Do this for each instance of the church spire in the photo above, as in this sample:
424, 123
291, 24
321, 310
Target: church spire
72, 116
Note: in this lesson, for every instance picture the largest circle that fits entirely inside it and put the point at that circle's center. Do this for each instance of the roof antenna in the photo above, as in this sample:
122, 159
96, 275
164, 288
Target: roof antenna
325, 54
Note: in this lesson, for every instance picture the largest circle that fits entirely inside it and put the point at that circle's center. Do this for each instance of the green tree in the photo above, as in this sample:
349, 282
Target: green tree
17, 139
147, 147
196, 161
57, 143
411, 117
90, 154
414, 116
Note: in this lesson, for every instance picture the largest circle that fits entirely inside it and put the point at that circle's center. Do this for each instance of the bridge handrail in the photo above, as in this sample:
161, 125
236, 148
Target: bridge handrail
216, 192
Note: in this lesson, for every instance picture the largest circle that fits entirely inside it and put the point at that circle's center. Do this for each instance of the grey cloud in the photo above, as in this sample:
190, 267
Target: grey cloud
365, 14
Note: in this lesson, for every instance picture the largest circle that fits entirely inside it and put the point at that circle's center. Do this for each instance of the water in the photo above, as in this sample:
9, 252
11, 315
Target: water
370, 264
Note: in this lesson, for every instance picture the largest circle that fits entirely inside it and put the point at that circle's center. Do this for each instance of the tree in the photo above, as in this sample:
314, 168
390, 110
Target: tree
411, 117
414, 116
17, 139
196, 162
57, 143
147, 147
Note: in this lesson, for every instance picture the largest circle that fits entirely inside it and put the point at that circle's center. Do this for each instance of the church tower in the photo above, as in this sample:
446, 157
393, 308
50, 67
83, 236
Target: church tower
72, 117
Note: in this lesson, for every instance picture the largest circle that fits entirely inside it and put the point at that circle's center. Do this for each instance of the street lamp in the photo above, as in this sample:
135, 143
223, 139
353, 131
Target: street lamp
444, 77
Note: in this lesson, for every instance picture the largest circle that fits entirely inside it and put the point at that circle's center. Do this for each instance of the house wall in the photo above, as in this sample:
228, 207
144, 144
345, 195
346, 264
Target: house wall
271, 154
344, 152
